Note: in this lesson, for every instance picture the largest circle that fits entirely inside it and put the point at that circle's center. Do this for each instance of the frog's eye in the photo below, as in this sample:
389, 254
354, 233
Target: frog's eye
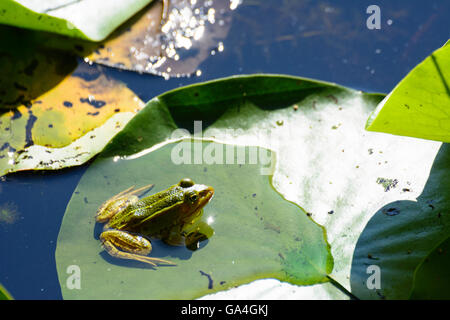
186, 183
193, 196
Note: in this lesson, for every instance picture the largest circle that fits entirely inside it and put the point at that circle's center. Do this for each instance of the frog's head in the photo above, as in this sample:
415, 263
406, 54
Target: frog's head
196, 196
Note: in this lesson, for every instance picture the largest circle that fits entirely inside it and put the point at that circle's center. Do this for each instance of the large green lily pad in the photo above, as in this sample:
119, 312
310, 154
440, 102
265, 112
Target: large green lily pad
326, 162
257, 233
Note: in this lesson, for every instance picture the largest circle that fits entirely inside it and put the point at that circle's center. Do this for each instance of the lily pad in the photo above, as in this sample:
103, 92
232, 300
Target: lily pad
190, 33
326, 161
85, 19
418, 105
55, 112
29, 70
66, 125
431, 278
4, 294
146, 43
401, 234
257, 233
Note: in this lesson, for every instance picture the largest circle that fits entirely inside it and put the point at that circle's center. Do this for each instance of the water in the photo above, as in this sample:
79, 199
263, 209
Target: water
326, 40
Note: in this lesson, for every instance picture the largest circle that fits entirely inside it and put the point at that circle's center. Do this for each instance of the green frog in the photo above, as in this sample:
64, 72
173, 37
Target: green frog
172, 215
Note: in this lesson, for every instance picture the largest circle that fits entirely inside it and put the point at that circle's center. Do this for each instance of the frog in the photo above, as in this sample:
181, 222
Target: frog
172, 215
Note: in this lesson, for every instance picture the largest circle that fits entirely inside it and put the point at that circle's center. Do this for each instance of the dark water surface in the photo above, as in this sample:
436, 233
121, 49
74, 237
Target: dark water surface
325, 40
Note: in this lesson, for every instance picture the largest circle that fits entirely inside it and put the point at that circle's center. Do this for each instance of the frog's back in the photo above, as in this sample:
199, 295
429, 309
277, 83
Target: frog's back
151, 216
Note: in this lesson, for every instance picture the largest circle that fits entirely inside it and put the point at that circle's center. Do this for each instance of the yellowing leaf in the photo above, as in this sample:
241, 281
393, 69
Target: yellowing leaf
84, 106
57, 128
27, 71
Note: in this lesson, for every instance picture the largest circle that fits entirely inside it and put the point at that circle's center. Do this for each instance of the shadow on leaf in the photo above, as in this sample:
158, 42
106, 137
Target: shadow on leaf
400, 235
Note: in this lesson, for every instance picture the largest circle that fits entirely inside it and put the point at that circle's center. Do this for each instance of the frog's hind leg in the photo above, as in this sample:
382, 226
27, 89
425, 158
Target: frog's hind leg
119, 202
131, 191
124, 245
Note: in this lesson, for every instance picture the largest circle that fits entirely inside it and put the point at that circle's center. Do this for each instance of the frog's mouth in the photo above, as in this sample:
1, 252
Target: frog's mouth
205, 196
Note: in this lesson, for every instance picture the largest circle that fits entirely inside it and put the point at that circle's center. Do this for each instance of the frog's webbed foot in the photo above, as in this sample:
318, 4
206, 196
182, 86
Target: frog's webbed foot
124, 245
119, 202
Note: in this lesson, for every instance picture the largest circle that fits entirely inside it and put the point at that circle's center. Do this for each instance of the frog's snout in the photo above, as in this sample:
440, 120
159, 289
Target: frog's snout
209, 193
206, 195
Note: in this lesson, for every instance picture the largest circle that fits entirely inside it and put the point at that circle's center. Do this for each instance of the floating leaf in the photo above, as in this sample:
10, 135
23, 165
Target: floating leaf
418, 105
327, 162
257, 234
85, 19
190, 32
251, 106
431, 278
67, 125
28, 70
49, 105
4, 294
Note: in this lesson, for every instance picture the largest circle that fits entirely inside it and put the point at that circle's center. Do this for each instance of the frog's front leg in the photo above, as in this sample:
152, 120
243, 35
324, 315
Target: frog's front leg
124, 245
196, 233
